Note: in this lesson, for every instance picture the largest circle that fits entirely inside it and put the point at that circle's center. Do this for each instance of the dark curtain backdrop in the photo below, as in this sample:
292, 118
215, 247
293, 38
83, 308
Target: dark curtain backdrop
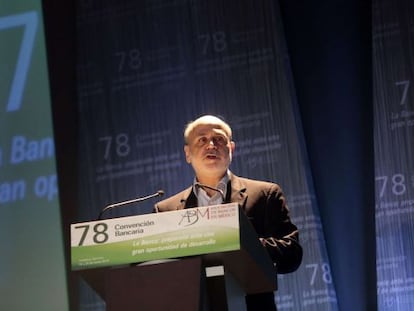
330, 49
295, 81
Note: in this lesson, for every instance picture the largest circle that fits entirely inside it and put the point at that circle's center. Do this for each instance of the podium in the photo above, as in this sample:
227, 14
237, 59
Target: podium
205, 258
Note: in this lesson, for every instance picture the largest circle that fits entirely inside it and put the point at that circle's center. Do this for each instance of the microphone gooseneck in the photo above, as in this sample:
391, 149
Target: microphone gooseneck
211, 188
136, 200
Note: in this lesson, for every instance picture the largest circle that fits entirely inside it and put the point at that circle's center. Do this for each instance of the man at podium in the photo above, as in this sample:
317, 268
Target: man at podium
208, 148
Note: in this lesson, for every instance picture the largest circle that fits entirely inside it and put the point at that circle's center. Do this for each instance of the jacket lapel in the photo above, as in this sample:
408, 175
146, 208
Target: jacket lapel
238, 192
189, 199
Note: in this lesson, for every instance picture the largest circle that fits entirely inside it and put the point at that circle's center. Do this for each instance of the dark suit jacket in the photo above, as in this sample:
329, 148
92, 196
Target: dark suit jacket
265, 206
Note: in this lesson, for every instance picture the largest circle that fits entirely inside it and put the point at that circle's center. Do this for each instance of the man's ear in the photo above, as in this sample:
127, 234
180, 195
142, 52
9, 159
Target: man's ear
232, 146
187, 153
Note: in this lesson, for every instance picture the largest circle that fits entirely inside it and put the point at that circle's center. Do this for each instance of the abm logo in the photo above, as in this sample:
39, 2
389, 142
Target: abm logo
192, 216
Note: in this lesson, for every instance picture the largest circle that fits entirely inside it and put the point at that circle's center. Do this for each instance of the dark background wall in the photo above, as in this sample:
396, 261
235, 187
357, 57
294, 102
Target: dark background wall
60, 32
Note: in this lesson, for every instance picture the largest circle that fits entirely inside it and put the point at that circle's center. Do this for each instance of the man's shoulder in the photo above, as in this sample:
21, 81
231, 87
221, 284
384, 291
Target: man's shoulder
249, 182
173, 201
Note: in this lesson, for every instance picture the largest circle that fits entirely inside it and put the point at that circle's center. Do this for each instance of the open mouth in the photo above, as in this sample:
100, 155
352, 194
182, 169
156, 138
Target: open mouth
211, 156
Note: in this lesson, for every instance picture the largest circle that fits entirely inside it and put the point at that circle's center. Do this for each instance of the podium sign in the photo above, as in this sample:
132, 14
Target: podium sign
174, 234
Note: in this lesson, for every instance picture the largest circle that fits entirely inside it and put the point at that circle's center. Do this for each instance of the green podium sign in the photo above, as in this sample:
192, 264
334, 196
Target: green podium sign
174, 234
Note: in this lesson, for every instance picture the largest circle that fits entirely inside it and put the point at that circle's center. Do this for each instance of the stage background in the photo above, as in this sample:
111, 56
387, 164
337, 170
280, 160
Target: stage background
295, 79
146, 68
393, 59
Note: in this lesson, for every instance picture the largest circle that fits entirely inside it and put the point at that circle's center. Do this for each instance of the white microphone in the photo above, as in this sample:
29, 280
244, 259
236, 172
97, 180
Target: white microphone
136, 200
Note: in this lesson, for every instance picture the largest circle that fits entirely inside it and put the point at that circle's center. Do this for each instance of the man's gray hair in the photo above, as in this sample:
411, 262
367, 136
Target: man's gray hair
206, 119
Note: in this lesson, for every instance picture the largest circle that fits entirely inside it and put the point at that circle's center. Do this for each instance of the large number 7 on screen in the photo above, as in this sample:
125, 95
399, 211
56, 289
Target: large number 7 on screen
30, 21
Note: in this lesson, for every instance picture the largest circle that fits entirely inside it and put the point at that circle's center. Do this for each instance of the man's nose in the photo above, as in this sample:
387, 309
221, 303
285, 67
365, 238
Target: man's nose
211, 143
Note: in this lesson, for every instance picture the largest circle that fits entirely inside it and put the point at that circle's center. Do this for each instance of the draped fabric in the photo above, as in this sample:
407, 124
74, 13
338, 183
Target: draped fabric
330, 51
393, 59
146, 68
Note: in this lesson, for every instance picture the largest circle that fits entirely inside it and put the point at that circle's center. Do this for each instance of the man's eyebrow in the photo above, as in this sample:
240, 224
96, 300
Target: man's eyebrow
213, 131
200, 134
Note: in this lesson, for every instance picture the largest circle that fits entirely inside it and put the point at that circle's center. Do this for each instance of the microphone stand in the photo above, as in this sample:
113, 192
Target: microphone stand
114, 205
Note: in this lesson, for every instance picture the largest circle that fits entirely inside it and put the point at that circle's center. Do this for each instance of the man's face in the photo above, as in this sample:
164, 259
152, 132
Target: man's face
209, 150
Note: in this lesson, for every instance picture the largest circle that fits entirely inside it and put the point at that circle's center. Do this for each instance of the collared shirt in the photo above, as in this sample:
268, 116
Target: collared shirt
204, 199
